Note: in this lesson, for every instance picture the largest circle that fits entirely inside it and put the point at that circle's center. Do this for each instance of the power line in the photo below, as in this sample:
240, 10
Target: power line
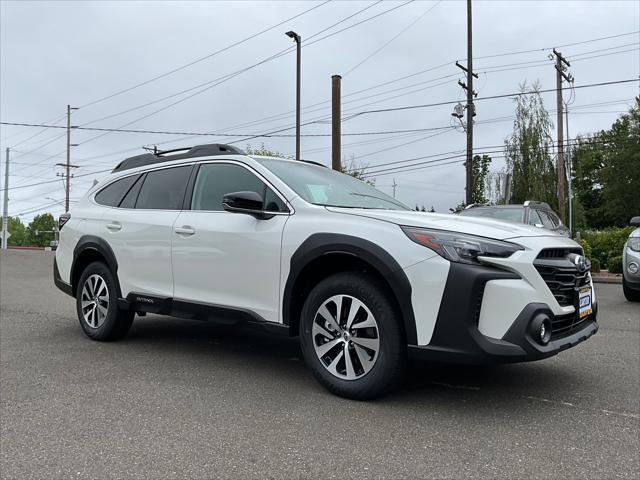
519, 52
491, 149
435, 104
492, 97
38, 209
194, 62
405, 132
220, 80
203, 87
374, 53
411, 75
54, 121
56, 180
160, 132
191, 63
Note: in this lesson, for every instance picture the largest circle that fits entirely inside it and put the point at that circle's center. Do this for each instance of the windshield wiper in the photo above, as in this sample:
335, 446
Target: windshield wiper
377, 198
370, 196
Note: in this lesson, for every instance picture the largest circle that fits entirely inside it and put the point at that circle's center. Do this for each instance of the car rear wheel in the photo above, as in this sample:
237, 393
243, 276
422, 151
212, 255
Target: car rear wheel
97, 305
351, 336
630, 294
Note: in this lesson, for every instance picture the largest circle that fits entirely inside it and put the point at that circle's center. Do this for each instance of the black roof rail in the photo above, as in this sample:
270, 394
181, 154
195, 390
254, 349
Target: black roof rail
168, 155
313, 162
529, 203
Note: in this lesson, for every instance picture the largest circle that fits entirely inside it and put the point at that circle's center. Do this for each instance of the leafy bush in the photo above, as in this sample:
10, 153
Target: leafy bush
586, 247
595, 265
615, 264
606, 244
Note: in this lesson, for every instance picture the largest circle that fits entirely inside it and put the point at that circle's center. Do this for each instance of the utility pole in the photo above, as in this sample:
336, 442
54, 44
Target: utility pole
470, 107
68, 164
298, 40
569, 168
394, 185
5, 206
560, 66
335, 122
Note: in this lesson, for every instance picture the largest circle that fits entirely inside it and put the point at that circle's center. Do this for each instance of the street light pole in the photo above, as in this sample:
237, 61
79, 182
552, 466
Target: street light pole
298, 41
5, 208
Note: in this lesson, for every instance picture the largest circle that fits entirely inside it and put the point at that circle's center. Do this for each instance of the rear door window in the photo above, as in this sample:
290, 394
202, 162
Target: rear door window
164, 189
112, 194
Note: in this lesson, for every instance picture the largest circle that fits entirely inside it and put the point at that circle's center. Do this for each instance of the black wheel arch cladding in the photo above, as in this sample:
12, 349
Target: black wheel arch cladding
94, 245
320, 244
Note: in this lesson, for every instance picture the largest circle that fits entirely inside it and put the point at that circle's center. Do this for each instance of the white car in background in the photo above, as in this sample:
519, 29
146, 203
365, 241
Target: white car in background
631, 264
292, 247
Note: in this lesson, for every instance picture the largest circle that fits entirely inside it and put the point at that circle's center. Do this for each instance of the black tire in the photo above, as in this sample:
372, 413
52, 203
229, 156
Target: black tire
116, 323
389, 365
630, 294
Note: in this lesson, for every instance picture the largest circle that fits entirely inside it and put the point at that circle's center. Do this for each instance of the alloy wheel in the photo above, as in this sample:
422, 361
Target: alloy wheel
95, 301
345, 337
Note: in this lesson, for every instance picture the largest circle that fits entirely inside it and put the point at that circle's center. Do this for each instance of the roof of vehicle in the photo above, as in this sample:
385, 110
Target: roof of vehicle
207, 150
197, 151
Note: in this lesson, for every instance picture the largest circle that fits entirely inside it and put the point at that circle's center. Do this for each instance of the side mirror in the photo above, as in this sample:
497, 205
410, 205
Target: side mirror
250, 203
635, 222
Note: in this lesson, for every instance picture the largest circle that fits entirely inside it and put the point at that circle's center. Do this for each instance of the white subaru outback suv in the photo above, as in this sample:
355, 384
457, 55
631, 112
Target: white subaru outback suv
292, 247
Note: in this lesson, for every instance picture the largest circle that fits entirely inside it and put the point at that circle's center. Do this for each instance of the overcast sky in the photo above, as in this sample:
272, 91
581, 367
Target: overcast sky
59, 53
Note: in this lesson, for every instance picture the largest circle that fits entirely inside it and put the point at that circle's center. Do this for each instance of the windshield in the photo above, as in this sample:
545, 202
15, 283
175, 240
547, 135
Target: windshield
323, 186
513, 215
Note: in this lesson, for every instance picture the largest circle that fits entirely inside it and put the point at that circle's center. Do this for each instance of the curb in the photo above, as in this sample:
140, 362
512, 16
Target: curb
606, 279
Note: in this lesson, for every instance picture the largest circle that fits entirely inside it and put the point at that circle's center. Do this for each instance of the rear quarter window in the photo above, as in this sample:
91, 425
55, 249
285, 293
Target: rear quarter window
112, 194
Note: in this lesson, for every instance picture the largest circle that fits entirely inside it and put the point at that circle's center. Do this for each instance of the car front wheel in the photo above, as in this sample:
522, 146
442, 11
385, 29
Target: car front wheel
351, 336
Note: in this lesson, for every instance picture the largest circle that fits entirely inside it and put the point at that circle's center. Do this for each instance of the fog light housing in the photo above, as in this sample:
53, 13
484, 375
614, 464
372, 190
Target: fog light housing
632, 267
540, 329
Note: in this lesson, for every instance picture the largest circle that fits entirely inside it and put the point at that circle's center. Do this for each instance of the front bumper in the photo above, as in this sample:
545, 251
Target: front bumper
458, 339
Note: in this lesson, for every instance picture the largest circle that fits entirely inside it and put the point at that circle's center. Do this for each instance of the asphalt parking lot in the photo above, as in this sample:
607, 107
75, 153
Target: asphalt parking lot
183, 399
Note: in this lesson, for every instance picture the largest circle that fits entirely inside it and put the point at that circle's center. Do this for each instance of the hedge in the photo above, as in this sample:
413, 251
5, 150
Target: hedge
605, 245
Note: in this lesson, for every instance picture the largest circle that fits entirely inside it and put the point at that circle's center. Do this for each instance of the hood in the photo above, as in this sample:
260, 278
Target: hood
483, 227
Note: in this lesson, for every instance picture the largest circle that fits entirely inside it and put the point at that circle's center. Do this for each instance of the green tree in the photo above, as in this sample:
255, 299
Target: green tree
356, 170
528, 151
18, 232
480, 168
459, 207
265, 152
606, 172
40, 231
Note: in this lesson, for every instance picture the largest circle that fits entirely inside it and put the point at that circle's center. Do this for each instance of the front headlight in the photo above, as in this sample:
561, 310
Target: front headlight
634, 244
460, 247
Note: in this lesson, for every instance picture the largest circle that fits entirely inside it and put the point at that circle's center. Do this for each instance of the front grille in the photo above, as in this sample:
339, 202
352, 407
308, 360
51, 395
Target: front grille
558, 269
562, 281
558, 252
564, 325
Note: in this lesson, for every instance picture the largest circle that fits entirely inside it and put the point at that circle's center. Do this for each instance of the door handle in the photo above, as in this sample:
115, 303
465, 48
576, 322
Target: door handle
185, 230
114, 226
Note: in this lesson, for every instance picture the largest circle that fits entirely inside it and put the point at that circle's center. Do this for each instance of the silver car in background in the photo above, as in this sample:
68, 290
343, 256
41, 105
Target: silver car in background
631, 264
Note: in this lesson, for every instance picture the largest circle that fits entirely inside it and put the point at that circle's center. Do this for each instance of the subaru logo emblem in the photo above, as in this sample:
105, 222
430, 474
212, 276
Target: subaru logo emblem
581, 262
